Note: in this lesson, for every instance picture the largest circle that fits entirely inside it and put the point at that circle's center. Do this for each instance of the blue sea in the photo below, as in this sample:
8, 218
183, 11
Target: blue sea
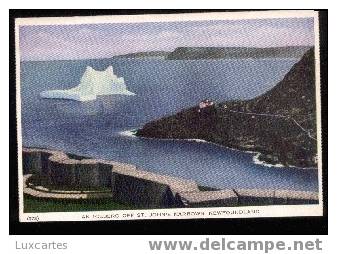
97, 128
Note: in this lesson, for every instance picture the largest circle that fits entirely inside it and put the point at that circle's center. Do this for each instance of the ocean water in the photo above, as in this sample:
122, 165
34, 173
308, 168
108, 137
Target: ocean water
97, 128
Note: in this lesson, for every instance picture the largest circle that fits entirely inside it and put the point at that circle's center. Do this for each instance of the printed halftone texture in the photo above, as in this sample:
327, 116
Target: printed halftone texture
162, 88
86, 41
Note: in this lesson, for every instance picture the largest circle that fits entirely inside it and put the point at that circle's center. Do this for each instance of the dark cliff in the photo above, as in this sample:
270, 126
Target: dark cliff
280, 124
193, 53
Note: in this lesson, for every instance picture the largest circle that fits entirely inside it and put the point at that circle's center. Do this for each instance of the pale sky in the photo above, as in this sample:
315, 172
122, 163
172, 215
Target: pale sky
51, 42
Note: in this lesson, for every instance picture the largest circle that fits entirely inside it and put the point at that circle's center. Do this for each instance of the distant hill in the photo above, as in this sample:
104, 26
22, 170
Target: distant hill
280, 124
152, 54
193, 53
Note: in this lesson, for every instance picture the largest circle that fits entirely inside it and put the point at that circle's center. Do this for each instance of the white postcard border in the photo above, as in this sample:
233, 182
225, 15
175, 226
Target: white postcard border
174, 213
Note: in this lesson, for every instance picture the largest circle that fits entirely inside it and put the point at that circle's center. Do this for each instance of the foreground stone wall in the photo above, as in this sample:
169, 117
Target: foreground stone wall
57, 168
145, 189
43, 192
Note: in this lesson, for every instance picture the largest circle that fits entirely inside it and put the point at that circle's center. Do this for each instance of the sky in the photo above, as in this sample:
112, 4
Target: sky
88, 41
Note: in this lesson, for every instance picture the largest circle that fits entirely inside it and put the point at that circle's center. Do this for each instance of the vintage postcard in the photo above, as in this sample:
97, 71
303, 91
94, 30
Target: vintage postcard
204, 115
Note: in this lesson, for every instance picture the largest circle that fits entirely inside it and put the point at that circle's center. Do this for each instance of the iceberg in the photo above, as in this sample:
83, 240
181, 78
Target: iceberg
93, 83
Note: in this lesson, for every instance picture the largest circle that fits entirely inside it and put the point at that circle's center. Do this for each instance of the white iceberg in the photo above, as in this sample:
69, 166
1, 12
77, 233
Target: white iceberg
93, 83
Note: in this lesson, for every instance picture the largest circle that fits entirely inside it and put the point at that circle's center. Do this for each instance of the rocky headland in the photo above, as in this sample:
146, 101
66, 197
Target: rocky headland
280, 124
199, 53
195, 53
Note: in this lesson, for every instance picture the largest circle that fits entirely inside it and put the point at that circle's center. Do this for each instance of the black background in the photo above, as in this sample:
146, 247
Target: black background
273, 226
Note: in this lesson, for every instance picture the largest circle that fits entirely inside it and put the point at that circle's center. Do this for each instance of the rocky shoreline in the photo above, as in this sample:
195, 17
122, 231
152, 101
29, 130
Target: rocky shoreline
260, 156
